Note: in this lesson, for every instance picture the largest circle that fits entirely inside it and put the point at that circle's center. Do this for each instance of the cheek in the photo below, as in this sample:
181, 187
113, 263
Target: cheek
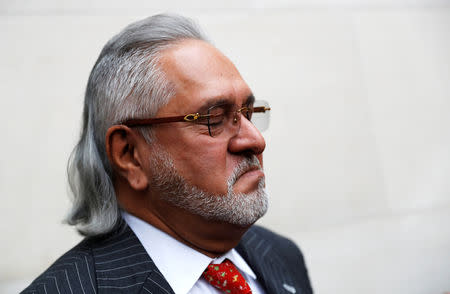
204, 165
201, 160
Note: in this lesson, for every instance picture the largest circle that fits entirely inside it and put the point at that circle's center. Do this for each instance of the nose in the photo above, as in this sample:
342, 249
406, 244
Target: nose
248, 139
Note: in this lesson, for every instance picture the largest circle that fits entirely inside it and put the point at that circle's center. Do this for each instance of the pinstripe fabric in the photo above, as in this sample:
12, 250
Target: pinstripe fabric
276, 261
118, 263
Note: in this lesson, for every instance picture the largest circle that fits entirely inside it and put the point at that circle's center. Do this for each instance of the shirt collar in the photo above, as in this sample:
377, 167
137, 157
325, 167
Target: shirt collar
180, 265
237, 260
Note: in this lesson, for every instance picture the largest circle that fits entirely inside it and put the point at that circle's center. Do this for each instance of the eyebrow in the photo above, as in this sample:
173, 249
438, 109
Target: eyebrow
222, 101
250, 99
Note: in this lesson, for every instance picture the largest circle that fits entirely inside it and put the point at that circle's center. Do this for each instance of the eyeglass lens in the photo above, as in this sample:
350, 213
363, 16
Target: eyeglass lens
225, 119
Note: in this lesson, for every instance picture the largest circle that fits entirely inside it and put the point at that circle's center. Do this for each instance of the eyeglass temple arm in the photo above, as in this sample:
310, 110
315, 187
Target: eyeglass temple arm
261, 109
151, 121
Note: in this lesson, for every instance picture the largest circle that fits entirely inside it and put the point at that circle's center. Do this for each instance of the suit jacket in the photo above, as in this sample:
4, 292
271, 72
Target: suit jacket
118, 263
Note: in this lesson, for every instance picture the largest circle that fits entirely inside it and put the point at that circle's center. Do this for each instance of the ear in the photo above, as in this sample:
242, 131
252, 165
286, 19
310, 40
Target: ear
124, 148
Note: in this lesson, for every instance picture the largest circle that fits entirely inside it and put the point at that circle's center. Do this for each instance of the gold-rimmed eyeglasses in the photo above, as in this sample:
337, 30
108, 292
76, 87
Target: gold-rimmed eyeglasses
220, 119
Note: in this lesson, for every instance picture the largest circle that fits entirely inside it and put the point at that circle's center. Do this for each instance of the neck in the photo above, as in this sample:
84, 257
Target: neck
208, 237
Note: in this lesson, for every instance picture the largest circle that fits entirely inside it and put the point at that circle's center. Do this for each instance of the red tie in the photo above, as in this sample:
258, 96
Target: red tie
226, 277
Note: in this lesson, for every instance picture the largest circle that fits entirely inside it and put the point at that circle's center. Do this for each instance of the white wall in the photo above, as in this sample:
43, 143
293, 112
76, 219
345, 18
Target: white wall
358, 154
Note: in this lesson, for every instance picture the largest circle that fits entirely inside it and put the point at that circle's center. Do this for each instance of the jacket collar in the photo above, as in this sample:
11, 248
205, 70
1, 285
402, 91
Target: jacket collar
123, 266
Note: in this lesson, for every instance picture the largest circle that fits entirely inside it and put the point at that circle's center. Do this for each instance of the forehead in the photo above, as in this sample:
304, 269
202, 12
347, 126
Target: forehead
200, 73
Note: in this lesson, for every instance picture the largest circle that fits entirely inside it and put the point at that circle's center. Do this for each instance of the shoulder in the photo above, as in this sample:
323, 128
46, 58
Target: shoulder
267, 234
258, 236
277, 261
116, 260
268, 252
73, 272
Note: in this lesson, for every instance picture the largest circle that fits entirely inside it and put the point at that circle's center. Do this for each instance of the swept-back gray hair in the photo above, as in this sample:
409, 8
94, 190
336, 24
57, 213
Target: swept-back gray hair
125, 82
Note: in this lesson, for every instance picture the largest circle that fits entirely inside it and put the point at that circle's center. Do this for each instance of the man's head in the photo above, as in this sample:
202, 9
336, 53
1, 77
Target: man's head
163, 67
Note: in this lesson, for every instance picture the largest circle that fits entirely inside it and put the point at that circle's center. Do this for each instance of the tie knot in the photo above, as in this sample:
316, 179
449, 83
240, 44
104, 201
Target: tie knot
226, 277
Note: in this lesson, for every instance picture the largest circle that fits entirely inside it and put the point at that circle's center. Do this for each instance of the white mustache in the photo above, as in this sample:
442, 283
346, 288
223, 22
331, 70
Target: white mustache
246, 165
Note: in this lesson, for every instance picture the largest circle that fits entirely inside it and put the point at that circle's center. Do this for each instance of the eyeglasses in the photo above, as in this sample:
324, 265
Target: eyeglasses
219, 119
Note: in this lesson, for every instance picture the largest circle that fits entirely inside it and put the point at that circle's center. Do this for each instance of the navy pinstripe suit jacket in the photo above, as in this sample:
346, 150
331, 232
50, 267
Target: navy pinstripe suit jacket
118, 263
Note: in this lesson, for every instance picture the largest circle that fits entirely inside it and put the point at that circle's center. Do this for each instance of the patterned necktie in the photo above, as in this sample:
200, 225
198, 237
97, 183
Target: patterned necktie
226, 277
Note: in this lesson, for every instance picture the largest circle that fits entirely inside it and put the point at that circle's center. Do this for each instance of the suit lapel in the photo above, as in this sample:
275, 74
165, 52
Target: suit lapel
122, 265
156, 283
267, 264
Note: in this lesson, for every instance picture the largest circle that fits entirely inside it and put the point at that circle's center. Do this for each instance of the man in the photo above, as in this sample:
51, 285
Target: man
167, 175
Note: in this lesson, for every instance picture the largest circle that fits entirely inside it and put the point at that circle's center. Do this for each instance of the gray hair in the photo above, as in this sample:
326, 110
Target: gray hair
125, 82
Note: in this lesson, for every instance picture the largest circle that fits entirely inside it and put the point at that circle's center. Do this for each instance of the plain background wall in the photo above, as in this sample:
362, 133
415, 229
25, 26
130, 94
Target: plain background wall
358, 153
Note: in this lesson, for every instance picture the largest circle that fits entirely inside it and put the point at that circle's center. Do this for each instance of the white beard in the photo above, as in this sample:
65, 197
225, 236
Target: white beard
234, 208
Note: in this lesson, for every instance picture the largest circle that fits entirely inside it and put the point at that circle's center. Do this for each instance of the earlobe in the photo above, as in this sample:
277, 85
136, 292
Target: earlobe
122, 148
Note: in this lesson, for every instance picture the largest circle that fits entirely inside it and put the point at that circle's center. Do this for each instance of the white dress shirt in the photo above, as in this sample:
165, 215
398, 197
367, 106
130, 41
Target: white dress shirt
181, 265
